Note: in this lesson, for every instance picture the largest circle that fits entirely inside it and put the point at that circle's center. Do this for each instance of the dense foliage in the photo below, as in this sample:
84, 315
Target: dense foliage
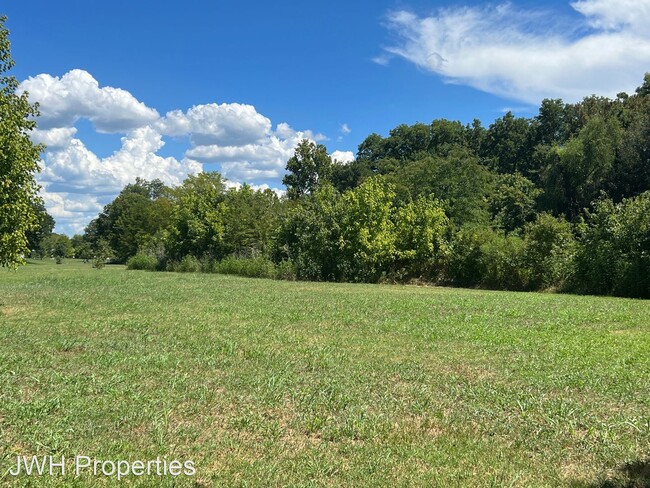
19, 159
558, 201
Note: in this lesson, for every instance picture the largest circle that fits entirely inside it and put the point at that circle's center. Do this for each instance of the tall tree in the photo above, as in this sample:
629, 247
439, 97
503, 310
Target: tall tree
584, 165
507, 147
19, 159
44, 226
308, 168
138, 213
458, 179
512, 201
197, 220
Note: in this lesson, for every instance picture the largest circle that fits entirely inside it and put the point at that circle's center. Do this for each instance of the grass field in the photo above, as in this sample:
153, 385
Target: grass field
268, 383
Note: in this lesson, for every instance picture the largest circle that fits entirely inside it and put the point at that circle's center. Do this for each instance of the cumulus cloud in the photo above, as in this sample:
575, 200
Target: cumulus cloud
344, 157
77, 95
76, 169
71, 211
53, 138
255, 162
233, 184
77, 183
528, 55
228, 123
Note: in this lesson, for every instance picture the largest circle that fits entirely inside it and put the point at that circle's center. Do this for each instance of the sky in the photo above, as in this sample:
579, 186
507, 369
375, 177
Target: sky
165, 89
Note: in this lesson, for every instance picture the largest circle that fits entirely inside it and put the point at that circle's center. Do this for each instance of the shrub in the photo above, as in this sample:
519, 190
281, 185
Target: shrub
251, 267
421, 226
464, 265
550, 251
285, 270
142, 261
103, 253
614, 249
206, 264
502, 263
189, 264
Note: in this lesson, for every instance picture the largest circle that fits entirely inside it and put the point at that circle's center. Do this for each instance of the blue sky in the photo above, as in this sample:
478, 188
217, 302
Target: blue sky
161, 89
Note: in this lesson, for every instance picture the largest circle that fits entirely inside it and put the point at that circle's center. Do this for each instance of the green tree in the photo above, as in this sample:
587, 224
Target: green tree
368, 236
405, 142
57, 246
446, 135
250, 220
513, 200
371, 149
630, 173
133, 219
102, 252
19, 159
310, 237
44, 227
345, 176
197, 221
457, 179
82, 248
507, 147
613, 256
549, 251
307, 169
550, 126
585, 163
421, 227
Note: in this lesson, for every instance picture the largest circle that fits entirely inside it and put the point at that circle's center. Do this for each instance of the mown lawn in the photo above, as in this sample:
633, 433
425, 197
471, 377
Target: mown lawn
268, 383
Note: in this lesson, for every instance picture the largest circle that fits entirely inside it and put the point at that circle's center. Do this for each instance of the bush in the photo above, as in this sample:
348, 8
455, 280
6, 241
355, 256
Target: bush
483, 257
251, 267
464, 266
206, 264
142, 261
285, 270
502, 263
614, 249
189, 264
421, 226
550, 251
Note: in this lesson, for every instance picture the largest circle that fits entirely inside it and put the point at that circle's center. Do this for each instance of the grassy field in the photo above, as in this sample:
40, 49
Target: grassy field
269, 383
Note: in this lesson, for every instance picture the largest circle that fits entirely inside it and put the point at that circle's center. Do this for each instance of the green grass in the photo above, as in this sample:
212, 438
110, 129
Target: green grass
267, 383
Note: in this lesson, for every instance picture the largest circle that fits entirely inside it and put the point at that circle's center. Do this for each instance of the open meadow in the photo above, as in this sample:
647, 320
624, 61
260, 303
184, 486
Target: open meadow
269, 383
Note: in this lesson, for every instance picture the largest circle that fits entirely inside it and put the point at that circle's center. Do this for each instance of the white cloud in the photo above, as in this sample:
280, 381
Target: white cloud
75, 179
344, 157
278, 191
71, 211
228, 123
77, 95
57, 137
77, 183
616, 14
76, 169
263, 159
345, 129
529, 55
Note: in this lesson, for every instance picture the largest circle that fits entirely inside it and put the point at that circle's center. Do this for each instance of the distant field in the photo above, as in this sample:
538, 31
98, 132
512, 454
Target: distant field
267, 383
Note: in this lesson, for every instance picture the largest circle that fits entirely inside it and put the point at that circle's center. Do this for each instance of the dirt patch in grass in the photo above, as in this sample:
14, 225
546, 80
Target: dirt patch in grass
10, 311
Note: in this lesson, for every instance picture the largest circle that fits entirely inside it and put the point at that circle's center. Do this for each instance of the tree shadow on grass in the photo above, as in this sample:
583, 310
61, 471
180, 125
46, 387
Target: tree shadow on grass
629, 475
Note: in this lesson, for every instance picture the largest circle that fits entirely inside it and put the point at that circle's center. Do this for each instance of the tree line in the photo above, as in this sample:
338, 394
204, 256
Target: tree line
558, 201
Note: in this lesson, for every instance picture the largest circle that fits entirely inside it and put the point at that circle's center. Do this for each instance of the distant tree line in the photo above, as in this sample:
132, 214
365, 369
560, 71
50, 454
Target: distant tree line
558, 201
